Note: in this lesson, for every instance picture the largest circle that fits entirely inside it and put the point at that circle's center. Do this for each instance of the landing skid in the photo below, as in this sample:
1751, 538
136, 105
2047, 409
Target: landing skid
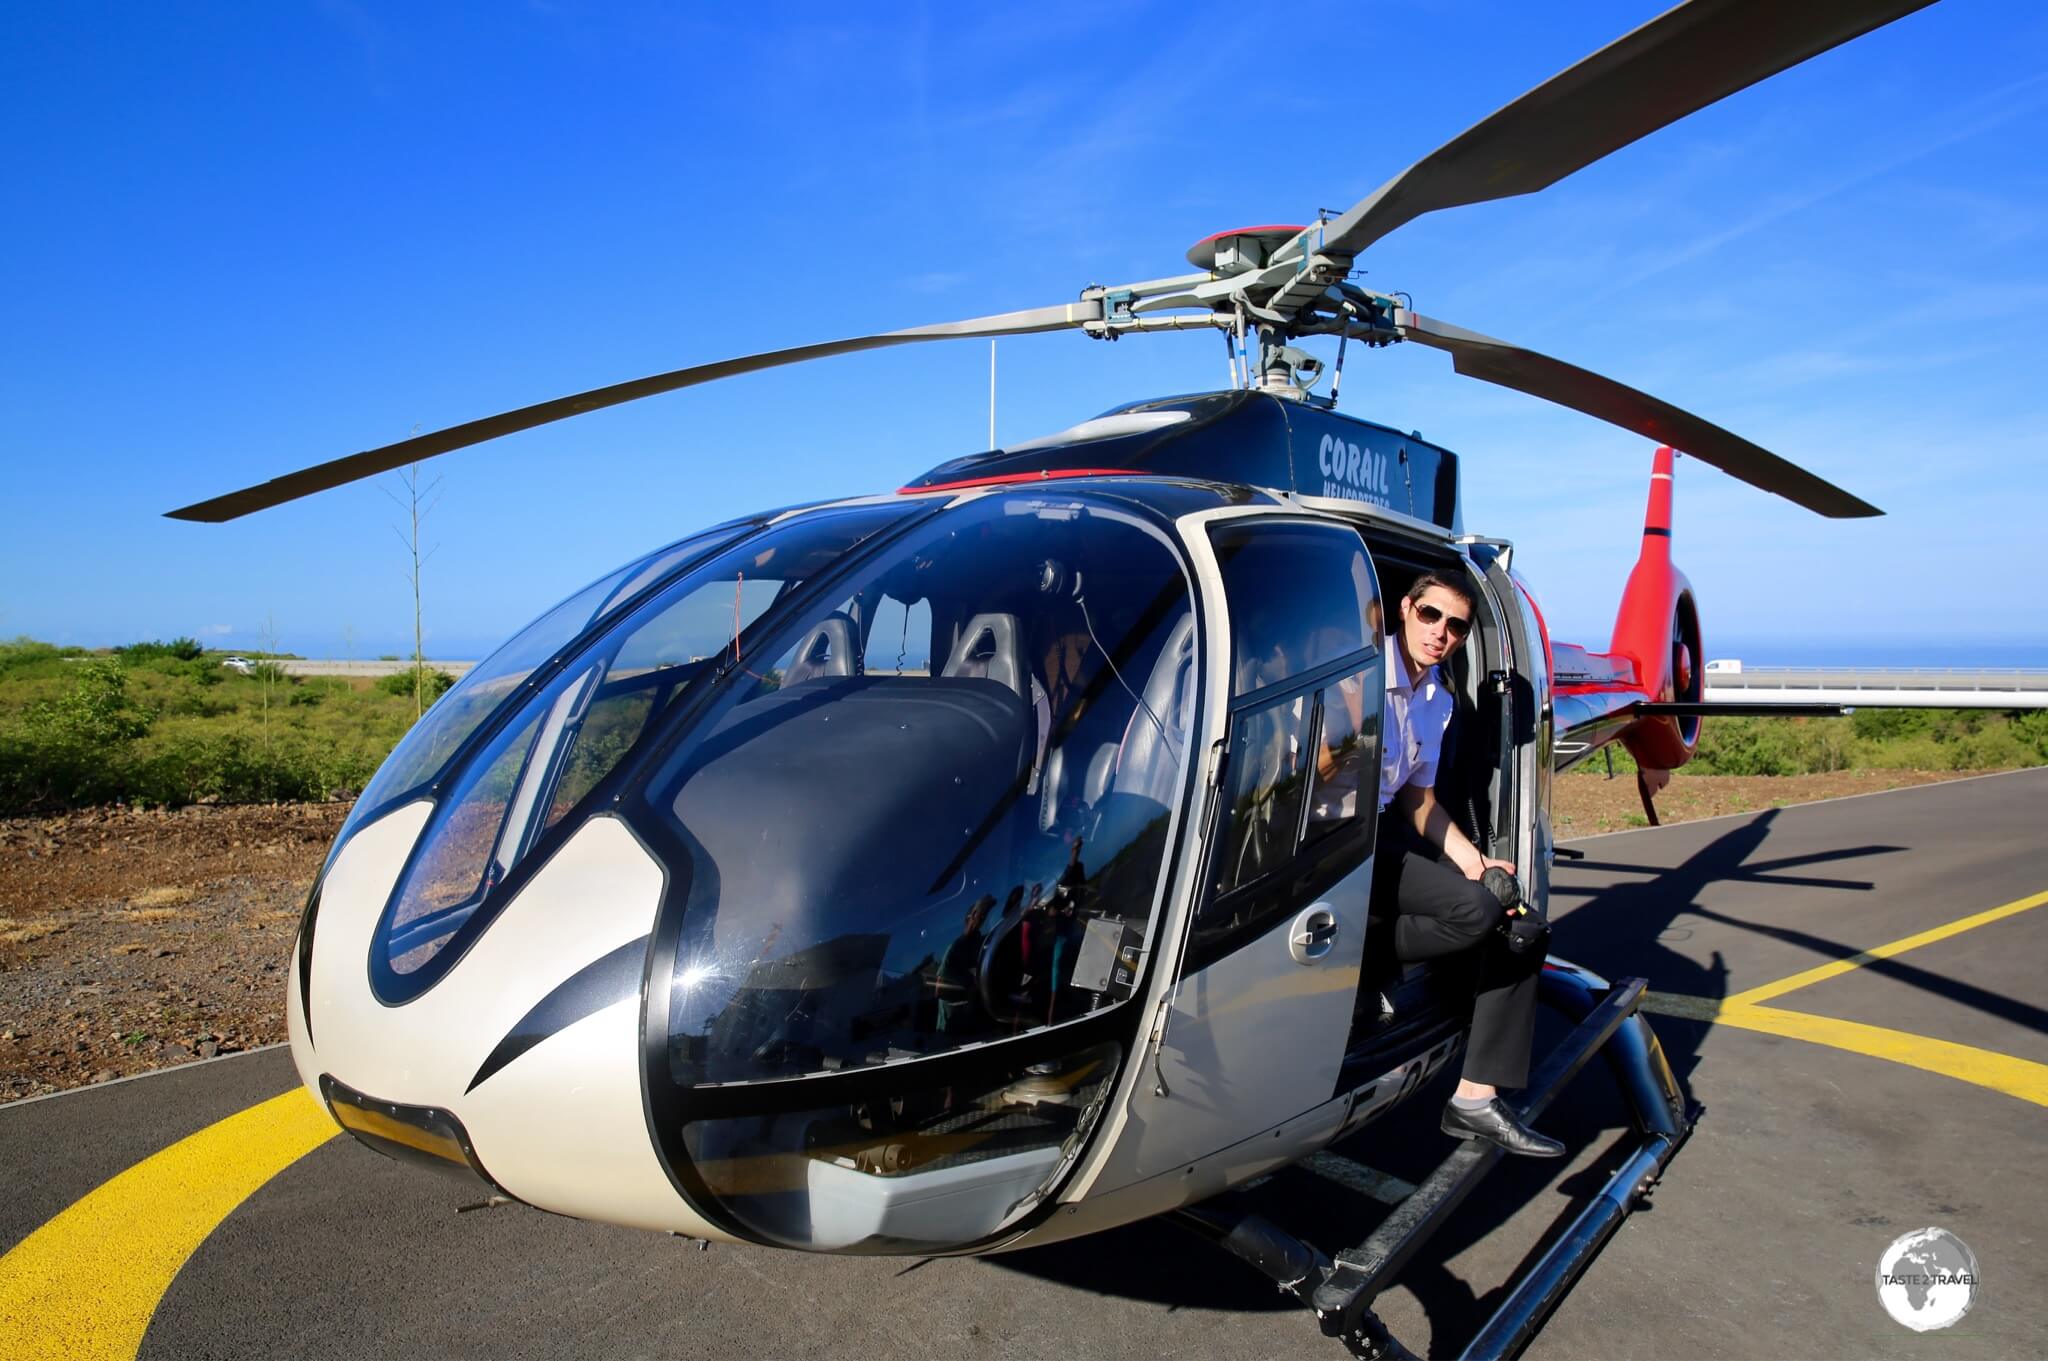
1340, 1291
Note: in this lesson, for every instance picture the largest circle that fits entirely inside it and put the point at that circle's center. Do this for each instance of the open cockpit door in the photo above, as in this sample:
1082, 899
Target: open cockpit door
1256, 1032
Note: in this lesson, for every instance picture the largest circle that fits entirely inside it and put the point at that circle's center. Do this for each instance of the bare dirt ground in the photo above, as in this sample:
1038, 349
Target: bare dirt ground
131, 940
134, 940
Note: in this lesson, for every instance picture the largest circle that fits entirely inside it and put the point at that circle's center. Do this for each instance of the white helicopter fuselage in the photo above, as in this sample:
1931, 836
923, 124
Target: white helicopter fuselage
615, 1028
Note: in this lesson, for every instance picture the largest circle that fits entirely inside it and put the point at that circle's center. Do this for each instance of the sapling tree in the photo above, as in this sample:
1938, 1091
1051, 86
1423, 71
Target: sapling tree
415, 512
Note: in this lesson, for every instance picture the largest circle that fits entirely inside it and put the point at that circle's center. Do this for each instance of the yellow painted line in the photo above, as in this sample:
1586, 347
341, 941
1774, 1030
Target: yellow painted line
1836, 968
1679, 1004
2022, 1078
85, 1285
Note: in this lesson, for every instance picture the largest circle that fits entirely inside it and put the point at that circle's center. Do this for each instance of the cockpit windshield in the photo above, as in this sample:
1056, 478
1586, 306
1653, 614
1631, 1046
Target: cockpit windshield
571, 731
933, 812
425, 749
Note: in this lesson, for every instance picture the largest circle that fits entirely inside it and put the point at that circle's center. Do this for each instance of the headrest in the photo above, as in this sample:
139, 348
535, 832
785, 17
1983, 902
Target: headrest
827, 650
988, 648
1151, 763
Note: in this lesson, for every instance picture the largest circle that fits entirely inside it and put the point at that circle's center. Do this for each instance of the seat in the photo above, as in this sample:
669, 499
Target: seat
1152, 760
827, 650
1095, 783
989, 648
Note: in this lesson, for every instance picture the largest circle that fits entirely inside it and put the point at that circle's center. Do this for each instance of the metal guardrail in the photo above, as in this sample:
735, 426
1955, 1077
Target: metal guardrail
1968, 680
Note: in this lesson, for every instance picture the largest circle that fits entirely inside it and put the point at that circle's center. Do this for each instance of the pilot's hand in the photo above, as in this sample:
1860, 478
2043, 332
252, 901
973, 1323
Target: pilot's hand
1487, 863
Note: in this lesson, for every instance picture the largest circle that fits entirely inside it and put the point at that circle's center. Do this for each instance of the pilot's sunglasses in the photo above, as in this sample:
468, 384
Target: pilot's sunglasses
1429, 614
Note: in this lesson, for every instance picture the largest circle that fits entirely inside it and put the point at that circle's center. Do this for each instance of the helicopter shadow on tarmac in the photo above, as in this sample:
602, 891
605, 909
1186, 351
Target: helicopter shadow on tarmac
1627, 929
1622, 929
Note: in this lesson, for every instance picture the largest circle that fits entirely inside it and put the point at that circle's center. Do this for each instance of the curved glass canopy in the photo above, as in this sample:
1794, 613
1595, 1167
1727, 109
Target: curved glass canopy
927, 816
913, 775
620, 684
423, 752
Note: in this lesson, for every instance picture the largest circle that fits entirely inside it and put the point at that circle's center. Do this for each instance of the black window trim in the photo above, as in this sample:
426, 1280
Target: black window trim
1305, 861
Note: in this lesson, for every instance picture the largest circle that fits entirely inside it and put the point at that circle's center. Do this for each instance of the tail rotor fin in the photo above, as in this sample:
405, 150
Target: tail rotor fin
1657, 628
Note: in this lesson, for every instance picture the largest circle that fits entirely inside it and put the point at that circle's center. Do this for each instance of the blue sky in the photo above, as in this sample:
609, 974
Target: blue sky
243, 239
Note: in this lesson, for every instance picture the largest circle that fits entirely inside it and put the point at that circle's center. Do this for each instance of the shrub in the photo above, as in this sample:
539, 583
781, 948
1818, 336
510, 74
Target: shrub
2032, 727
24, 651
97, 711
1884, 725
1740, 746
178, 649
45, 770
1597, 763
401, 682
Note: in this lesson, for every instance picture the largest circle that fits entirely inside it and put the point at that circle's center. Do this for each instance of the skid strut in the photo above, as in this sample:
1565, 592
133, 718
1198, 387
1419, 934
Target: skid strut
1340, 1291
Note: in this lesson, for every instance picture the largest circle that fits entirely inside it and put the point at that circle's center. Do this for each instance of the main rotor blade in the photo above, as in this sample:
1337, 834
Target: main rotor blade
370, 462
1511, 366
1675, 65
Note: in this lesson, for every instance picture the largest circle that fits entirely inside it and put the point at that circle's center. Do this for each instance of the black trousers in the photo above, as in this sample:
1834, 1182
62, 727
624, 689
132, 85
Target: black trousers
1438, 912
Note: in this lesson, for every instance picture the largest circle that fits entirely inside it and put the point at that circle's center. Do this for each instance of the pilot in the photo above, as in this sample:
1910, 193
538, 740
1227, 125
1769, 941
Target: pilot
1056, 689
1427, 873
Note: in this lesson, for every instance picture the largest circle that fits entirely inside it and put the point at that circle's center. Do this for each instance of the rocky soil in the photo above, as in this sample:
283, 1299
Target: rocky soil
1587, 804
132, 940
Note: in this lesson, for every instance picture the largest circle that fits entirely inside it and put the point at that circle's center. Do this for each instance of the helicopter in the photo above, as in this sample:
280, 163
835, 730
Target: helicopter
986, 861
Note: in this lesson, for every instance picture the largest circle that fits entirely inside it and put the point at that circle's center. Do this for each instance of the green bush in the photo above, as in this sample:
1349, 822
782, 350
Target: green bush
2032, 727
1598, 762
178, 649
401, 682
158, 729
23, 653
42, 770
97, 710
317, 690
189, 703
1873, 739
1885, 725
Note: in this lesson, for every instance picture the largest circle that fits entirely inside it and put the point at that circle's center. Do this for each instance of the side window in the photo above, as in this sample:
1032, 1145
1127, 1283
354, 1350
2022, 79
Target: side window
1301, 596
1268, 753
1308, 688
1343, 785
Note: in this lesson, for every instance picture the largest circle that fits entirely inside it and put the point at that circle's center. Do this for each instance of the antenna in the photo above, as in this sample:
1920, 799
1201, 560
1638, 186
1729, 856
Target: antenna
991, 394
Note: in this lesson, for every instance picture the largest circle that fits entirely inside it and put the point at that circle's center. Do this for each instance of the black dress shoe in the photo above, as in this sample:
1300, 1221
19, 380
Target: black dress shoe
1496, 1124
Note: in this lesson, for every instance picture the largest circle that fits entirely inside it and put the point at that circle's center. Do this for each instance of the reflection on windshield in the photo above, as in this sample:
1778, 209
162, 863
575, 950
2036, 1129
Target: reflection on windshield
577, 728
420, 755
960, 844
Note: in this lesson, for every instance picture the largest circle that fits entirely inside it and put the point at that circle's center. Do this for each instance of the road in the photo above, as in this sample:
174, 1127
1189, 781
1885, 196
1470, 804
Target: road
297, 666
1849, 1099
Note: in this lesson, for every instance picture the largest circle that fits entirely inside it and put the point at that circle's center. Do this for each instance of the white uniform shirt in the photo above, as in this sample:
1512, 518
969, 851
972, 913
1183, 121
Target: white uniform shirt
1412, 737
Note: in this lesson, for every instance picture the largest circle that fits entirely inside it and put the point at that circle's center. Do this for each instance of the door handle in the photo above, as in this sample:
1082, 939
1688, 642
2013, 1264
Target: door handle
1313, 935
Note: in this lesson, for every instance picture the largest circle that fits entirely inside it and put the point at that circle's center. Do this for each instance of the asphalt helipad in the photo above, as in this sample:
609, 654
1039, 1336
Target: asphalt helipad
1853, 990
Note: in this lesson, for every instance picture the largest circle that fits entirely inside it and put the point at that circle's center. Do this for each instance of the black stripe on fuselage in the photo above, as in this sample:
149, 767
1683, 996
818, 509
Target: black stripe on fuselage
586, 992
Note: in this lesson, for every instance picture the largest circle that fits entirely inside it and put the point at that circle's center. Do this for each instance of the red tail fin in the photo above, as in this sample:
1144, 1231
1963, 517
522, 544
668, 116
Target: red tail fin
1657, 627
